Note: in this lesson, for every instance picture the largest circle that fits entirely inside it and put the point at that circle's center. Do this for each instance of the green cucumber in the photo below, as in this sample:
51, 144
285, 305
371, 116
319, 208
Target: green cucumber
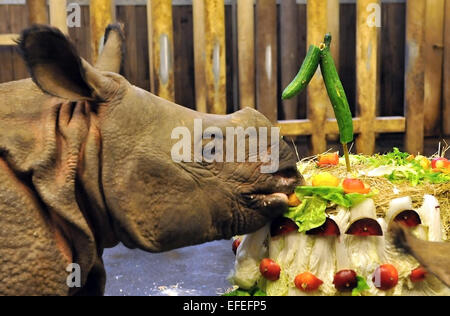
306, 72
336, 92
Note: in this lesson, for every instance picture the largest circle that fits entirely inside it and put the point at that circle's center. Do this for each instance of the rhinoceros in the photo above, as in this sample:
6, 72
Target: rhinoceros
85, 163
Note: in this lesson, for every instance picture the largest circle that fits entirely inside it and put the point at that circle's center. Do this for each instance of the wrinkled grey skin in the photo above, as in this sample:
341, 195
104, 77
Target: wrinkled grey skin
85, 164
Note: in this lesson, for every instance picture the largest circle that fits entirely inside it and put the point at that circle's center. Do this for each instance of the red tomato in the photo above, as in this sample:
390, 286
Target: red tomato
439, 163
269, 269
354, 186
418, 274
328, 160
385, 277
236, 244
307, 282
345, 280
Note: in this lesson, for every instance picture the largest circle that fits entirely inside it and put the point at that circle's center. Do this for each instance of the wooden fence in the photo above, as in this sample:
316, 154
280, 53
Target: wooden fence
263, 55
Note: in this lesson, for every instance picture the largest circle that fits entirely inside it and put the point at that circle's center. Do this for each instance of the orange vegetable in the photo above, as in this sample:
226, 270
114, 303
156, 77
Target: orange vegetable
325, 179
328, 160
293, 200
307, 282
424, 162
355, 186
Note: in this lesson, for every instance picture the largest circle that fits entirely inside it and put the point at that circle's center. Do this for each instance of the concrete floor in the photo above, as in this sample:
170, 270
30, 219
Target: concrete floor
190, 271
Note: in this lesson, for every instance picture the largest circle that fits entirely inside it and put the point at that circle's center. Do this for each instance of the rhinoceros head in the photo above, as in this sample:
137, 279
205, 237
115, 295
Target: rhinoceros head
162, 185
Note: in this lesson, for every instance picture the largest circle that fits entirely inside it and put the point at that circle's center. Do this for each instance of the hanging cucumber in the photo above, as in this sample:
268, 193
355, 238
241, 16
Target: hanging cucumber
337, 96
304, 75
336, 92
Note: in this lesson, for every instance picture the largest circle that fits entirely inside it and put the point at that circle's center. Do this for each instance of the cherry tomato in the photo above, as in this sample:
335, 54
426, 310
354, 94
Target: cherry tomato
355, 186
385, 277
325, 179
328, 160
439, 163
345, 280
293, 200
418, 274
236, 244
307, 282
281, 226
269, 269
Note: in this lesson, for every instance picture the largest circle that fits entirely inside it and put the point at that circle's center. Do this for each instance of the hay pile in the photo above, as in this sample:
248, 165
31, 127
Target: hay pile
387, 190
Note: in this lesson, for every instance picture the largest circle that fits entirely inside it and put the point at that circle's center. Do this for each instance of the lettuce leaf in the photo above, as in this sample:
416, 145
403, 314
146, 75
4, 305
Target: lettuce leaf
361, 286
309, 214
333, 194
255, 291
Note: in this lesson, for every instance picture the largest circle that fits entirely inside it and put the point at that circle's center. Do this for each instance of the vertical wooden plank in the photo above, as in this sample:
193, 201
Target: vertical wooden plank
301, 38
18, 21
233, 55
266, 58
143, 60
367, 74
37, 11
246, 52
161, 39
333, 27
124, 14
290, 62
58, 14
434, 37
102, 13
414, 76
184, 58
6, 69
392, 71
198, 7
317, 97
446, 94
215, 56
81, 36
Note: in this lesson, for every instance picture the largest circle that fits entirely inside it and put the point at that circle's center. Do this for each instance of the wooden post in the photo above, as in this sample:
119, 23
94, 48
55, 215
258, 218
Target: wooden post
198, 8
290, 63
159, 14
102, 13
414, 76
58, 14
246, 53
37, 12
367, 71
215, 52
446, 94
434, 37
317, 97
266, 58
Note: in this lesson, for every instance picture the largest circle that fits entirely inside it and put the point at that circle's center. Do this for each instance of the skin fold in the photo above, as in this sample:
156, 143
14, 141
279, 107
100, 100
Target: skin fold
85, 163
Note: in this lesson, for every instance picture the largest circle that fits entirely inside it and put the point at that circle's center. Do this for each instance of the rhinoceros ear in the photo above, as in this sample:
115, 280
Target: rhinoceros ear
57, 69
111, 57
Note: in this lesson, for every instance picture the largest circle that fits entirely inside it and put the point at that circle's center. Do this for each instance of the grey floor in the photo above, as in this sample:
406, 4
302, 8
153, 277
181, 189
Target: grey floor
190, 271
